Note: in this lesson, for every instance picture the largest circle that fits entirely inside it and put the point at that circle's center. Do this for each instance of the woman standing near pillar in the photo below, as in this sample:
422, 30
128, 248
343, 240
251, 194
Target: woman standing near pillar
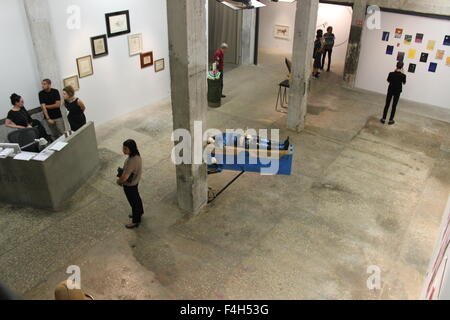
129, 178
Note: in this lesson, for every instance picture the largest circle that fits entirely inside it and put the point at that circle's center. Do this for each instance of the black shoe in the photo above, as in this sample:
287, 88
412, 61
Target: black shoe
132, 226
391, 122
383, 121
224, 96
131, 217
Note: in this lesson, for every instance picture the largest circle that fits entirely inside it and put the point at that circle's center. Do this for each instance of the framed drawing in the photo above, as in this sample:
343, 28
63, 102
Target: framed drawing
281, 32
118, 23
99, 46
135, 44
85, 68
73, 82
146, 59
159, 65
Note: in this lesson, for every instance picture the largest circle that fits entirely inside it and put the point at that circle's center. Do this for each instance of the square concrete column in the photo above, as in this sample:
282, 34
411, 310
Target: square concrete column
304, 35
354, 43
187, 20
248, 37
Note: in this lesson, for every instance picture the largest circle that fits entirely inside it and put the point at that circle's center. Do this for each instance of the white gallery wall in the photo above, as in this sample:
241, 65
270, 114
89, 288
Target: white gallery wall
282, 13
118, 85
422, 86
17, 60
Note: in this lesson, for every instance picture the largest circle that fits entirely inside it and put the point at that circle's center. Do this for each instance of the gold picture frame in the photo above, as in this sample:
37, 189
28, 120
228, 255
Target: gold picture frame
159, 65
72, 81
135, 44
85, 68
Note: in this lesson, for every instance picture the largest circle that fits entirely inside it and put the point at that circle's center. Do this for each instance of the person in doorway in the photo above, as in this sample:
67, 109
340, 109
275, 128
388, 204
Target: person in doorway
129, 178
19, 118
50, 101
329, 39
219, 59
76, 109
317, 54
396, 81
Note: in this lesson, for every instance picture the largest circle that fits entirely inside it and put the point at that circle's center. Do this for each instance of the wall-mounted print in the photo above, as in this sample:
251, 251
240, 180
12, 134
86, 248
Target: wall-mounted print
431, 44
281, 32
447, 40
146, 59
419, 37
412, 53
99, 46
118, 23
432, 67
398, 33
85, 68
135, 44
424, 57
447, 62
412, 68
73, 82
159, 65
440, 54
401, 56
390, 50
408, 38
385, 36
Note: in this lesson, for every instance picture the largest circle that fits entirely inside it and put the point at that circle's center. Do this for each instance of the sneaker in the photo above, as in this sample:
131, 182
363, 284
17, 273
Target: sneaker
391, 122
383, 121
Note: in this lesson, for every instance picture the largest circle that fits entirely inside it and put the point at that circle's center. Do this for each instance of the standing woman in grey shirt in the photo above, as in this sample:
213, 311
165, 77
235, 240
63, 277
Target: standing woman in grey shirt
130, 178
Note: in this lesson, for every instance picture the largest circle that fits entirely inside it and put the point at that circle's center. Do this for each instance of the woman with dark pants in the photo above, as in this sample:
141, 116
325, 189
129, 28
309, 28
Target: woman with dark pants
130, 179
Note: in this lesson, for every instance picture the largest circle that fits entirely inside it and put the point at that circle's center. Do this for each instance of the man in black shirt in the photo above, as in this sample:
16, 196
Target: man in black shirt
396, 81
50, 101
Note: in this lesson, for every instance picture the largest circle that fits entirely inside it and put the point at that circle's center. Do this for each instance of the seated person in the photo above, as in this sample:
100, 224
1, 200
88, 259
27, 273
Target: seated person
18, 117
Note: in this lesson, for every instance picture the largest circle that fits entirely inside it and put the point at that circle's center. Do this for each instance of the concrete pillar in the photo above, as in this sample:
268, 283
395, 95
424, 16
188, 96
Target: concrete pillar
187, 20
38, 14
248, 37
304, 35
354, 43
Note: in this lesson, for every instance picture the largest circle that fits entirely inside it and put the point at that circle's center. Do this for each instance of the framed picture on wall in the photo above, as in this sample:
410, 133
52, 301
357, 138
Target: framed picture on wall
73, 82
99, 46
135, 44
85, 68
159, 65
281, 32
146, 59
118, 23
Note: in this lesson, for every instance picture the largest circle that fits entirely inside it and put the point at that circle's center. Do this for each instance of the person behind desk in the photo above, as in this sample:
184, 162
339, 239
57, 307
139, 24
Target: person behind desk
50, 101
76, 109
18, 117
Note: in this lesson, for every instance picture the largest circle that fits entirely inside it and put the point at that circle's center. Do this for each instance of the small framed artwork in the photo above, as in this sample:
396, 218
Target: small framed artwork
412, 68
424, 57
118, 23
99, 46
85, 68
385, 36
398, 33
432, 67
159, 65
135, 44
146, 59
281, 32
390, 50
73, 82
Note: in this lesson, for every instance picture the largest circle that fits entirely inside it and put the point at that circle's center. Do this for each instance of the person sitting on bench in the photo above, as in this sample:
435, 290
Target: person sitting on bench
18, 117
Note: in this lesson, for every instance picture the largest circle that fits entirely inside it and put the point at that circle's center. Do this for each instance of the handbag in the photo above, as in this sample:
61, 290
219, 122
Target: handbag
120, 173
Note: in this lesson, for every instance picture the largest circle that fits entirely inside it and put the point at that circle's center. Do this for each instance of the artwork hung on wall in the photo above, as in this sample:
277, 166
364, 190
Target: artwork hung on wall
118, 23
398, 33
401, 56
419, 37
135, 44
432, 67
408, 39
99, 46
390, 50
447, 62
73, 82
281, 32
385, 36
424, 57
412, 68
412, 53
159, 65
85, 68
440, 54
146, 59
447, 40
431, 44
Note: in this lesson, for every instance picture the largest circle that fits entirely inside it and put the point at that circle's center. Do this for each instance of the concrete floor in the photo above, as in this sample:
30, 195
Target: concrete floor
361, 194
